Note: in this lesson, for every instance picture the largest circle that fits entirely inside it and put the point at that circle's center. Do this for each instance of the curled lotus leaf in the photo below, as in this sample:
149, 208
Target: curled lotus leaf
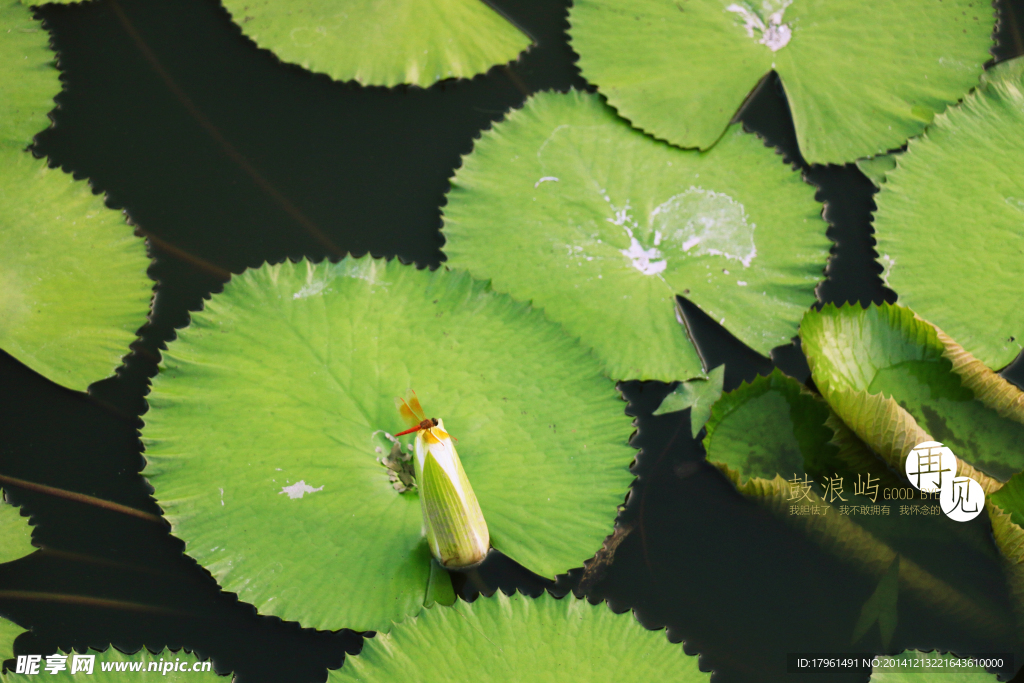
782, 447
896, 379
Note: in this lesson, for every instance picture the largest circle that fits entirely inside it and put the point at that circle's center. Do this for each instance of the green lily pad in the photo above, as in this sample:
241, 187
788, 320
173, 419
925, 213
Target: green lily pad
858, 84
382, 42
15, 543
112, 666
950, 220
696, 394
516, 638
28, 76
73, 283
940, 673
564, 204
887, 352
15, 534
269, 415
8, 632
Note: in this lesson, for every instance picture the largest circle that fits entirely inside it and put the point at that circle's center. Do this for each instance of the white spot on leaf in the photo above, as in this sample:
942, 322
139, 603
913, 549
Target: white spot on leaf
711, 222
887, 264
647, 261
312, 289
774, 34
298, 489
1016, 203
546, 179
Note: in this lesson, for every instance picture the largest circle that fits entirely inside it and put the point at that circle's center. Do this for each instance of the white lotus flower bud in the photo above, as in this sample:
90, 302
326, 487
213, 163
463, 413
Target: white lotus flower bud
456, 529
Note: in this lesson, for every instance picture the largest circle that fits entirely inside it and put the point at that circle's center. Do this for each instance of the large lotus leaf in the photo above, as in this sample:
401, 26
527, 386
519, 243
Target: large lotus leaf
382, 42
520, 639
564, 204
28, 76
73, 283
114, 666
950, 220
858, 83
263, 432
926, 663
861, 357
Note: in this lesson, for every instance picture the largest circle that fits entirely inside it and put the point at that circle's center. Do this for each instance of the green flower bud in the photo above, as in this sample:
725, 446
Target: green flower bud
456, 529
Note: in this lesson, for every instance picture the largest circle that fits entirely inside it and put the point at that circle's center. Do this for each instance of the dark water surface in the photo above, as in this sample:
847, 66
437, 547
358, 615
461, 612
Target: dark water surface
225, 158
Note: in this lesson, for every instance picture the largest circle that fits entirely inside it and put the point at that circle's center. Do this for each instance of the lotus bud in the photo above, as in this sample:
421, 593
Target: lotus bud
456, 529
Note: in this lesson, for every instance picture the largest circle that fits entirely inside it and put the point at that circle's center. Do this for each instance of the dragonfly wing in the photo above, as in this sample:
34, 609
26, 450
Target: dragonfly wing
410, 410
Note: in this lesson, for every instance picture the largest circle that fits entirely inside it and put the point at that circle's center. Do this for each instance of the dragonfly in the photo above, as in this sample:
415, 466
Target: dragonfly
455, 527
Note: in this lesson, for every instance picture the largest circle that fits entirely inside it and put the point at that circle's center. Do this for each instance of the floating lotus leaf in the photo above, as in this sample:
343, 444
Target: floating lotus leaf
28, 76
861, 358
73, 283
564, 204
950, 220
912, 673
521, 639
15, 534
15, 543
857, 81
382, 42
271, 410
8, 632
114, 666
